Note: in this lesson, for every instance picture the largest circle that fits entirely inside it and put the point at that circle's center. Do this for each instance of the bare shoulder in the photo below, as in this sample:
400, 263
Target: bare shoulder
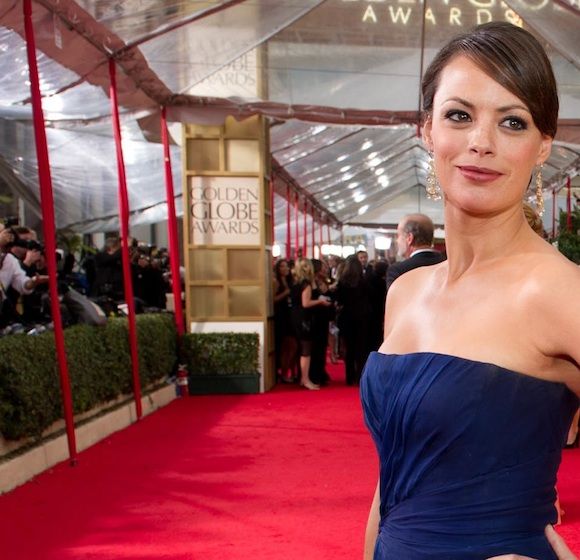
554, 306
558, 276
410, 287
411, 283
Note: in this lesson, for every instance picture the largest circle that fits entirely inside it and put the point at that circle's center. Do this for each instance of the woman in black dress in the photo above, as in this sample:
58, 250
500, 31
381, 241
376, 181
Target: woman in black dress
284, 337
302, 304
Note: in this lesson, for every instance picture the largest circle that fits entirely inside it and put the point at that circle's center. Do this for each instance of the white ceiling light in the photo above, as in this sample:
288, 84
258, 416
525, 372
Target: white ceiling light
383, 243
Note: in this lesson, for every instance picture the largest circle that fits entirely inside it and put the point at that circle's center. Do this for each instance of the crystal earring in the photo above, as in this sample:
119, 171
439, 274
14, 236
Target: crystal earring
433, 187
539, 192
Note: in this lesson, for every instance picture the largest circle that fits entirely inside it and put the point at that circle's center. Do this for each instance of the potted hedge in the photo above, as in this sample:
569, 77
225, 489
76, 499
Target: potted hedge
220, 363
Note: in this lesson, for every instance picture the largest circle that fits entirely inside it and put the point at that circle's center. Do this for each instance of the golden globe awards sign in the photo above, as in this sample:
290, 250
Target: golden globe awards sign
224, 210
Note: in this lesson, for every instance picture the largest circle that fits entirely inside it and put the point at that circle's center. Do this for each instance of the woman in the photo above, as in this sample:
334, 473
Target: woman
471, 394
302, 304
320, 321
284, 340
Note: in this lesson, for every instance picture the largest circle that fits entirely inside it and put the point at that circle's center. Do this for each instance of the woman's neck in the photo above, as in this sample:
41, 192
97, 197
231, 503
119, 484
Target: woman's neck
474, 241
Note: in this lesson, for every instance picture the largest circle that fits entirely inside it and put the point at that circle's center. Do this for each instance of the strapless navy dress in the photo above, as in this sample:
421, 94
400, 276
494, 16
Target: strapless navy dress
469, 453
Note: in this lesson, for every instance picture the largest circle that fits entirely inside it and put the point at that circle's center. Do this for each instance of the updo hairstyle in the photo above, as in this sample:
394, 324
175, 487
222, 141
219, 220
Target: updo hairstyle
513, 58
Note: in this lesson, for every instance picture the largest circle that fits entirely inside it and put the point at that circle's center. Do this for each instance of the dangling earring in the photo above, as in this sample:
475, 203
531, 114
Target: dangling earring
539, 192
433, 187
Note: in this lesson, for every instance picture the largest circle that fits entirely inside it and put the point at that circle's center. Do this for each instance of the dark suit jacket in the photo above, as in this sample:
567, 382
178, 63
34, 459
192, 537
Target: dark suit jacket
424, 258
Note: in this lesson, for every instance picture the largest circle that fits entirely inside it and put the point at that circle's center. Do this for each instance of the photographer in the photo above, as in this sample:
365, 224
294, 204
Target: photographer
12, 274
109, 271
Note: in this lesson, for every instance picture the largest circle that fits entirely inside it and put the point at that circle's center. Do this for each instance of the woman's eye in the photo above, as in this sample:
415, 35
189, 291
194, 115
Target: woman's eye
514, 123
457, 116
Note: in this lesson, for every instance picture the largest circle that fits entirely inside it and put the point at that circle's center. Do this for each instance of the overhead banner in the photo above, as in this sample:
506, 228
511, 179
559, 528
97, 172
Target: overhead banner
224, 210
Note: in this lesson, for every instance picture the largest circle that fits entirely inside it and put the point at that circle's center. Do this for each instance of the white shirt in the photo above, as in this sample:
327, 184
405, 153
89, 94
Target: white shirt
422, 251
11, 274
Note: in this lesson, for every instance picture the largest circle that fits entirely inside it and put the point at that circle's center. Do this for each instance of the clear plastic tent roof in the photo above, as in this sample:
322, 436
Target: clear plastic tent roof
338, 79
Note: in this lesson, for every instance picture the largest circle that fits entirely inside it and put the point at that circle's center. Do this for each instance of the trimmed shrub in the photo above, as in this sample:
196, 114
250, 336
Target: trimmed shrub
569, 241
99, 365
220, 353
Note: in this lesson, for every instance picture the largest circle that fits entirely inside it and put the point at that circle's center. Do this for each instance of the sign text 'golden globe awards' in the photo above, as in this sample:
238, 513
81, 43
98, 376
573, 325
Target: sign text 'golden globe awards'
224, 210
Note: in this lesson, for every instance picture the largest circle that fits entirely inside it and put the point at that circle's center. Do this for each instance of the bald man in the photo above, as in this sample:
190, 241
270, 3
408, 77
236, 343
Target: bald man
415, 244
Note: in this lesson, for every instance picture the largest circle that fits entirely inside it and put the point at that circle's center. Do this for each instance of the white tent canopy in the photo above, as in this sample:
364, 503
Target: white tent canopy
338, 79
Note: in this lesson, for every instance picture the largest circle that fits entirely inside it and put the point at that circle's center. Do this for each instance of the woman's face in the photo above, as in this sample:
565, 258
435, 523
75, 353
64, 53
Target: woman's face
484, 140
284, 268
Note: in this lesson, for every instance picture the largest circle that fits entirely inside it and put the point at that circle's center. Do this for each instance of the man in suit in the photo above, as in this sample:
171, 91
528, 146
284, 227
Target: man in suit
415, 244
363, 258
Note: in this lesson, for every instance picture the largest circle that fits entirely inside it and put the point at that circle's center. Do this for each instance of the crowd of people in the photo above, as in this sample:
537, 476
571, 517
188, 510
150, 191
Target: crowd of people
89, 290
339, 305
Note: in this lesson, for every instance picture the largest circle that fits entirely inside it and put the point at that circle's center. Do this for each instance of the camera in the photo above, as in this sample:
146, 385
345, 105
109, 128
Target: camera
30, 245
10, 222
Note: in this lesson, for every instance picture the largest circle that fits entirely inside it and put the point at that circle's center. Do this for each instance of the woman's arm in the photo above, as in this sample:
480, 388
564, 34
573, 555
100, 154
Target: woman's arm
557, 542
307, 300
372, 529
283, 294
557, 316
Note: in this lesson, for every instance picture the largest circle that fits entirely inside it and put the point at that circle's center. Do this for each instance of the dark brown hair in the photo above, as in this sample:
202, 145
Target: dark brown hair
513, 58
352, 273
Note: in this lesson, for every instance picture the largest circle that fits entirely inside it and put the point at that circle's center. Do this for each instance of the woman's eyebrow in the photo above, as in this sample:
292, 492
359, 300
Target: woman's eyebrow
503, 109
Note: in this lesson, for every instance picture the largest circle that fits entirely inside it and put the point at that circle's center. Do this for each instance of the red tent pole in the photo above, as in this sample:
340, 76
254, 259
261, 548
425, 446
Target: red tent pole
124, 219
272, 217
320, 233
313, 232
328, 233
305, 232
569, 205
288, 234
554, 204
48, 227
297, 238
172, 227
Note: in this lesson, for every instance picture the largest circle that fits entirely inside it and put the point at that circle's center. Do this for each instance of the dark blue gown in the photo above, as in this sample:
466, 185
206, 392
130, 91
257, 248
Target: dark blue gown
469, 453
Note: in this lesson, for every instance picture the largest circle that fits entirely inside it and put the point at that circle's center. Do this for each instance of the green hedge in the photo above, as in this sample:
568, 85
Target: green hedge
99, 366
220, 353
569, 241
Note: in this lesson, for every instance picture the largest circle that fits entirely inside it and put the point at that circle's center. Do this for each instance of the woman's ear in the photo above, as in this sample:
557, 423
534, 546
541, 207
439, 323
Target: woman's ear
426, 134
545, 149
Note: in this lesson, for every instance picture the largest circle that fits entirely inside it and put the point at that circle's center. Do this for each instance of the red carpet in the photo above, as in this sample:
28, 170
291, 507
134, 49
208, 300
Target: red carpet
283, 476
